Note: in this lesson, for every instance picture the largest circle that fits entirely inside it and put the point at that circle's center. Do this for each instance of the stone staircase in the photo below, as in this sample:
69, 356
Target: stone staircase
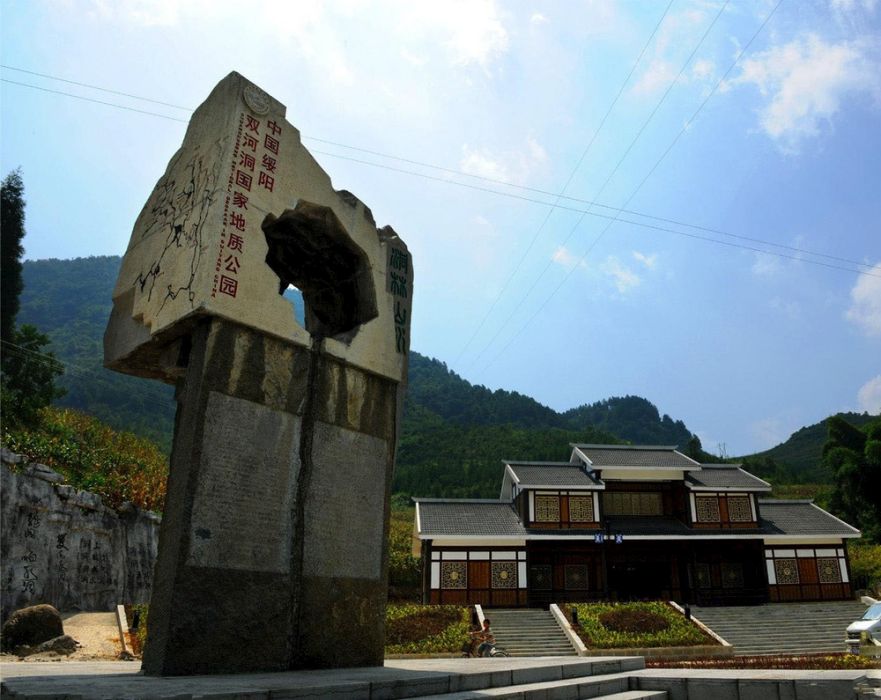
528, 632
783, 628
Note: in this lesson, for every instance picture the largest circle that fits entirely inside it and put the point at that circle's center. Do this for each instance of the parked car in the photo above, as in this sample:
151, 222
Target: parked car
867, 628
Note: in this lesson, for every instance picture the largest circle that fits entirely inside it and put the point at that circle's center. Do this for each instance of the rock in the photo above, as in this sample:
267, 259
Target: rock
9, 457
62, 644
31, 626
41, 471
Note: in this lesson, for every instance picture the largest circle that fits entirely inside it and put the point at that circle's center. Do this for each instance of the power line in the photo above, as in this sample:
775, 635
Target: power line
607, 217
96, 87
565, 186
643, 181
90, 99
621, 160
559, 196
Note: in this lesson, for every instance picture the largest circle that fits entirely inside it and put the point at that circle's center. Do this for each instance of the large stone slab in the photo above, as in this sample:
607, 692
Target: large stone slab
273, 551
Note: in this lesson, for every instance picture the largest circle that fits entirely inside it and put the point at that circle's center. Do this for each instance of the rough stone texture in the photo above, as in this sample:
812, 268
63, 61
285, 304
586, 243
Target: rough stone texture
273, 549
31, 626
62, 546
63, 644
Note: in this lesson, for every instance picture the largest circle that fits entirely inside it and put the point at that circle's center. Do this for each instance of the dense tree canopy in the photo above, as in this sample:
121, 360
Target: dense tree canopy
11, 250
854, 456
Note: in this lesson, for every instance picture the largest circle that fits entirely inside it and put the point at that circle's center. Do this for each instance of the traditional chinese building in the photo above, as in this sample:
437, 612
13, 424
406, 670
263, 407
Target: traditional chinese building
628, 522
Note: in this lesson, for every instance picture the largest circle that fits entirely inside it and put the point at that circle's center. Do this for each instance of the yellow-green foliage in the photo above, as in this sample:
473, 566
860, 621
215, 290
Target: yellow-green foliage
425, 629
404, 568
680, 631
90, 455
865, 560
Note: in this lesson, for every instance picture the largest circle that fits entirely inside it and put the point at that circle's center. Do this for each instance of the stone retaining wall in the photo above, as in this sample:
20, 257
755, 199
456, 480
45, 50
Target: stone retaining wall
62, 546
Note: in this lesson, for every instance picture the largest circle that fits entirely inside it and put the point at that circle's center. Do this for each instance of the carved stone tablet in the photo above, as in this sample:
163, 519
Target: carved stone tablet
241, 513
343, 534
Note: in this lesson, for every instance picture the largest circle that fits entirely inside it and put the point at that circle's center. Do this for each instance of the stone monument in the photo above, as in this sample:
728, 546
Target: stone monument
272, 550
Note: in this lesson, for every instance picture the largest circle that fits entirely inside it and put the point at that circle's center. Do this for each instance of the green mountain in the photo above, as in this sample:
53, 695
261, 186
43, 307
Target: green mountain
454, 433
798, 460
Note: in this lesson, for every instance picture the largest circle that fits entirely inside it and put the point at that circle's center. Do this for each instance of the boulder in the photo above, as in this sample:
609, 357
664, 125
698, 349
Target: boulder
31, 626
63, 644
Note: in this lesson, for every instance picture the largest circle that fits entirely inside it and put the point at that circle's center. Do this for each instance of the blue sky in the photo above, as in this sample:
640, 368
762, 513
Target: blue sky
741, 147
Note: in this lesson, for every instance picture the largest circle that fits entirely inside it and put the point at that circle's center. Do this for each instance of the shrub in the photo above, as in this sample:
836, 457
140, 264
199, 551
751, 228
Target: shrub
92, 456
425, 629
633, 620
635, 625
865, 561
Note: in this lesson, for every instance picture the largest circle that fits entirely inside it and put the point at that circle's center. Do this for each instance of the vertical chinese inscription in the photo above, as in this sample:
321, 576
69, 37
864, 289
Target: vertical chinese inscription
398, 286
29, 577
254, 140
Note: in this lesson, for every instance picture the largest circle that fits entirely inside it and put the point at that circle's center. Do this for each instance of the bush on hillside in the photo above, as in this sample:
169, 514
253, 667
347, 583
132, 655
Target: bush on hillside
91, 456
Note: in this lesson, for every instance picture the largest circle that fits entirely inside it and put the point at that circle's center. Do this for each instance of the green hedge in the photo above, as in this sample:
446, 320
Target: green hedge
679, 632
426, 629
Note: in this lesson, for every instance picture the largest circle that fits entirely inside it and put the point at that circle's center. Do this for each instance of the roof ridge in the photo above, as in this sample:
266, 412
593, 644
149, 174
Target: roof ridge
460, 500
787, 500
539, 463
623, 447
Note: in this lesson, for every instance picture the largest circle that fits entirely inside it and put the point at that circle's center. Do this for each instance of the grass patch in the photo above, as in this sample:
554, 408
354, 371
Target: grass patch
630, 625
425, 629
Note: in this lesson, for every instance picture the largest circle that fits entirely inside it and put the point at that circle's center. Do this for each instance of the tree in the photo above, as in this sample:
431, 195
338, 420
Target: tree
854, 456
27, 371
11, 235
28, 378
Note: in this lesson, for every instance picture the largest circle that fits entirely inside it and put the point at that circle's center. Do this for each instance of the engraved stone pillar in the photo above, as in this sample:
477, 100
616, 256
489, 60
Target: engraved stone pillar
272, 552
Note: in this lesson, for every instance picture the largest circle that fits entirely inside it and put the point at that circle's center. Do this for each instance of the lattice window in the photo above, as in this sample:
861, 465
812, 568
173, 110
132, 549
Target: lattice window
829, 570
786, 570
732, 575
707, 509
581, 509
576, 577
626, 503
702, 576
454, 574
739, 510
504, 574
540, 578
547, 509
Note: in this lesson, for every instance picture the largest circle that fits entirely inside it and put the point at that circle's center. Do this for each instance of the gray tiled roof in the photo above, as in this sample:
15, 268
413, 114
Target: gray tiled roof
552, 474
653, 456
727, 476
799, 518
463, 517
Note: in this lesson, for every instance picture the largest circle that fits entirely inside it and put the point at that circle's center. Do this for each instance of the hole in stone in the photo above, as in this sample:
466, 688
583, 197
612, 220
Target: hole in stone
295, 297
310, 249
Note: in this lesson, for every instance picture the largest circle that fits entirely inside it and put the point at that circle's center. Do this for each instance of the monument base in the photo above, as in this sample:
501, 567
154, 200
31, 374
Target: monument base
263, 537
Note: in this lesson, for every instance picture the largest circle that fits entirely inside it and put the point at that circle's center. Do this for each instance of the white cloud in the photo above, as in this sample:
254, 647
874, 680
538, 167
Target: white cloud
657, 76
482, 163
805, 82
792, 309
513, 166
769, 432
648, 260
538, 18
766, 265
865, 308
703, 69
564, 257
869, 395
623, 277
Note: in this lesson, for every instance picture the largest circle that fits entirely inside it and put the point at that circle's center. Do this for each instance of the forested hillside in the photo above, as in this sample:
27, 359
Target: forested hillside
454, 434
800, 458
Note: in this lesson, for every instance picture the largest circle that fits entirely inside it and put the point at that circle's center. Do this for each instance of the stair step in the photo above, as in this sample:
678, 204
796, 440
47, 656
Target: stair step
609, 687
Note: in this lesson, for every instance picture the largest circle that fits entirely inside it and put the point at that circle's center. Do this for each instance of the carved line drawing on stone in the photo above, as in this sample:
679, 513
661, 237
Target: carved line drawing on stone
180, 212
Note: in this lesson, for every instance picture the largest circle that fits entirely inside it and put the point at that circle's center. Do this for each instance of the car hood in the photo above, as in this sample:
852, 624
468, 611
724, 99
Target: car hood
864, 626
